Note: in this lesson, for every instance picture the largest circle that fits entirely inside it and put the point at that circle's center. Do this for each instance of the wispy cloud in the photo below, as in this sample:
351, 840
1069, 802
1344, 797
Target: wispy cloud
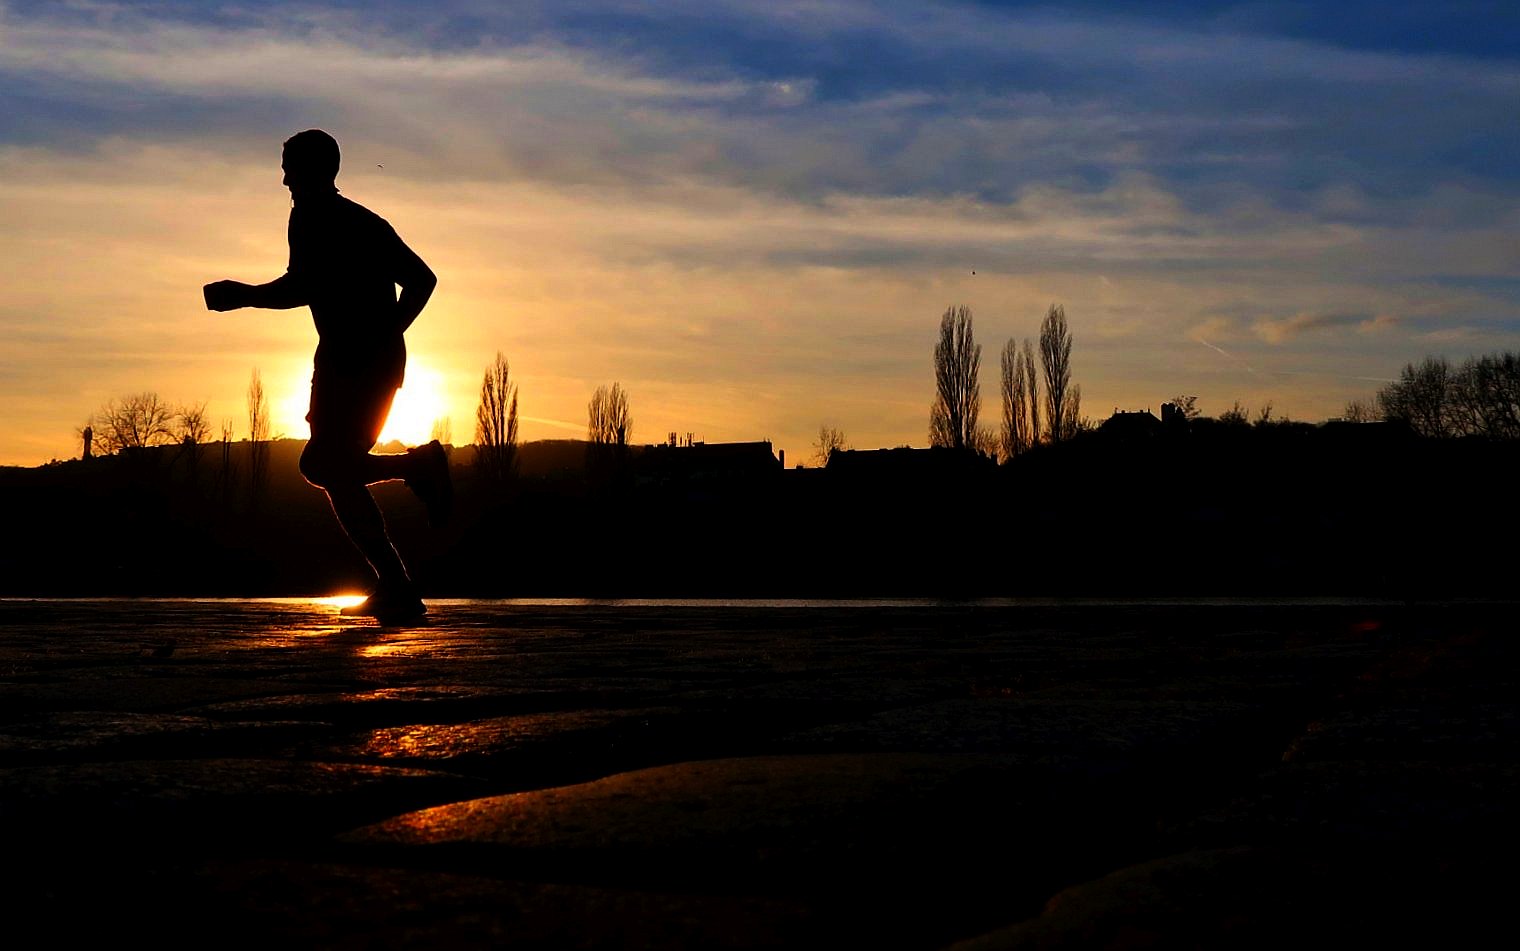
1279, 329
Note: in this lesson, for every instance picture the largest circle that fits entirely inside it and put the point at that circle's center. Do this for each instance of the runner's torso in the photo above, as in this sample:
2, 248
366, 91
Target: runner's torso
344, 257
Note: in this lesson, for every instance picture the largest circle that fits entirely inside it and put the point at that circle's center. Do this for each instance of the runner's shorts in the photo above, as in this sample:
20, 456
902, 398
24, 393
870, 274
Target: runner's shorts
349, 405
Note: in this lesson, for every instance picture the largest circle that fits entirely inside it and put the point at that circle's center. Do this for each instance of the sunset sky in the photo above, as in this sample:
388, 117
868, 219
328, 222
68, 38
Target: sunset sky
751, 213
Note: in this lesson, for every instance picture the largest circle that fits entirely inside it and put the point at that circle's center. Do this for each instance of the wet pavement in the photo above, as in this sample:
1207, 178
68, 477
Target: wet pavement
1081, 774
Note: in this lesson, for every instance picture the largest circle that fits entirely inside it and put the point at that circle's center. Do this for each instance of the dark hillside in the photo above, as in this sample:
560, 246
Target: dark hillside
1277, 510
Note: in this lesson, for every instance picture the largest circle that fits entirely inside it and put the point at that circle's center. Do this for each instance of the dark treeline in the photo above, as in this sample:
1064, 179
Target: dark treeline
1479, 397
1195, 508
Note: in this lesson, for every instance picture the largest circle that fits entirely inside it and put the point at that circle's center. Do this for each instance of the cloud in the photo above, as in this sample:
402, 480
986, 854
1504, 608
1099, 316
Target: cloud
1278, 330
783, 98
1214, 328
1448, 335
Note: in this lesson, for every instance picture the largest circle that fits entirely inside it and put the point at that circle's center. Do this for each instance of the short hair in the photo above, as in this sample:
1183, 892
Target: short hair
313, 150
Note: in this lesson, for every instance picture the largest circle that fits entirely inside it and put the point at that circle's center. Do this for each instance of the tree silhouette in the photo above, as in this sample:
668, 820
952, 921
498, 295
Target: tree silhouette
258, 432
958, 397
1479, 398
443, 430
1020, 419
193, 428
829, 439
608, 427
227, 473
1187, 406
1032, 380
496, 421
1421, 397
1486, 397
608, 421
135, 421
1063, 399
1360, 411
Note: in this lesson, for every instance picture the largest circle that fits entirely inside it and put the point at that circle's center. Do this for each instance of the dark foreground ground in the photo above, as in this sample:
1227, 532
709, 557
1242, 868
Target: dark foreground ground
262, 774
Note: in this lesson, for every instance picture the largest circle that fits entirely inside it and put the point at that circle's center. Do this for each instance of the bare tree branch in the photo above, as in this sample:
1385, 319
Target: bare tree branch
193, 425
829, 440
1187, 406
608, 419
136, 421
258, 432
1422, 398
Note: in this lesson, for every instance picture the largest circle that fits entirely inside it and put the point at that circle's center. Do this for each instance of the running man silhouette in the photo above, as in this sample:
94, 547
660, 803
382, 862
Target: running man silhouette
345, 263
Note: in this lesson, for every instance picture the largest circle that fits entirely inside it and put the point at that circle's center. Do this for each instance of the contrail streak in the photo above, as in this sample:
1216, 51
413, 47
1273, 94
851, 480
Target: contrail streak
1225, 353
1281, 373
558, 423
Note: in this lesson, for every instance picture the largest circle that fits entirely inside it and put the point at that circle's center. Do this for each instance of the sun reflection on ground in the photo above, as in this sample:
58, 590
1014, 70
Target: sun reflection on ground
339, 601
389, 650
426, 741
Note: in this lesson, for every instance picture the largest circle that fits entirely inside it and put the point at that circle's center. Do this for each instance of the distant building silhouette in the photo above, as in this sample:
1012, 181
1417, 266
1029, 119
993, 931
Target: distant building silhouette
905, 463
89, 436
1362, 433
695, 461
1141, 424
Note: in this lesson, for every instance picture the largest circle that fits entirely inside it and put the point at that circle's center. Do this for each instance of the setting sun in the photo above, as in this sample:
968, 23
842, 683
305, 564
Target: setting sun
419, 404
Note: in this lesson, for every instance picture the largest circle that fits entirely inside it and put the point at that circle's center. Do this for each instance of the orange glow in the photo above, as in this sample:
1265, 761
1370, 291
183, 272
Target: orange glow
418, 405
448, 739
373, 651
340, 601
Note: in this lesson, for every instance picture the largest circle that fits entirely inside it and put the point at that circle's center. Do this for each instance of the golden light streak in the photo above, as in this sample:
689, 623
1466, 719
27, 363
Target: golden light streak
339, 601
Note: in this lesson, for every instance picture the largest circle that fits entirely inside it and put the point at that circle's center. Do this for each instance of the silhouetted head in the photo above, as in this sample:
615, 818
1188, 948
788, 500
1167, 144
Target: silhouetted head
310, 162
